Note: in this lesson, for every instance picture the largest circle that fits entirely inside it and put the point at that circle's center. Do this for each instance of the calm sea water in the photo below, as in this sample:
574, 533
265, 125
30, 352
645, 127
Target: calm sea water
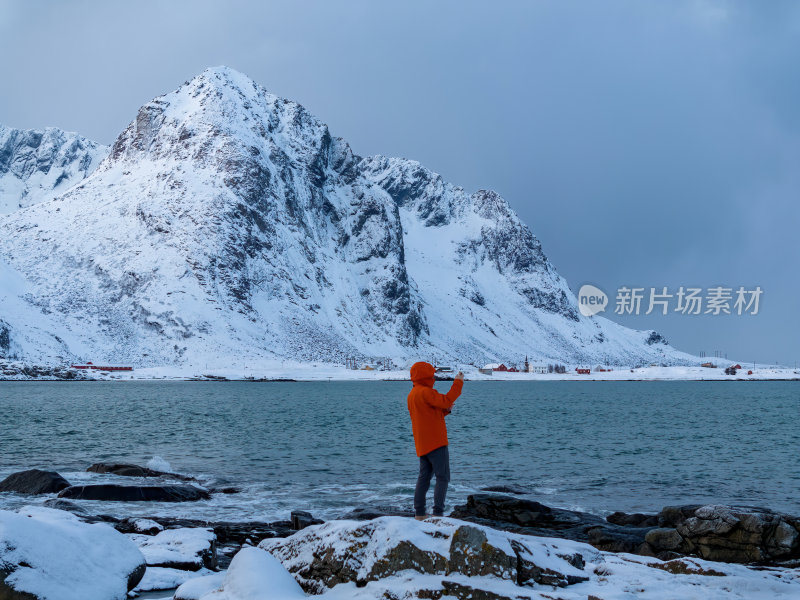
328, 447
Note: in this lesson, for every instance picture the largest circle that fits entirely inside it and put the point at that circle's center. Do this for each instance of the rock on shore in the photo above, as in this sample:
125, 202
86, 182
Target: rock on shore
48, 554
728, 534
387, 558
110, 492
33, 482
393, 558
341, 552
717, 533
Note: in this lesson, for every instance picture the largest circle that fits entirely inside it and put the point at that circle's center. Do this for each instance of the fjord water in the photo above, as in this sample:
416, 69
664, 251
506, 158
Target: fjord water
327, 447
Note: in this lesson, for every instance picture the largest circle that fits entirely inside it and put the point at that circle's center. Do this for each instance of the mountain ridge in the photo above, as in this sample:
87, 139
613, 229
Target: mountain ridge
228, 222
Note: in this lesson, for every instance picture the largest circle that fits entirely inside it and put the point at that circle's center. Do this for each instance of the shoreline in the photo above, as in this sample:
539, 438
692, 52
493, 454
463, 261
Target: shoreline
306, 373
498, 545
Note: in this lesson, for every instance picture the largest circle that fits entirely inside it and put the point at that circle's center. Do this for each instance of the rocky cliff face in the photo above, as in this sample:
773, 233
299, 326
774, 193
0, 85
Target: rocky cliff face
36, 165
229, 223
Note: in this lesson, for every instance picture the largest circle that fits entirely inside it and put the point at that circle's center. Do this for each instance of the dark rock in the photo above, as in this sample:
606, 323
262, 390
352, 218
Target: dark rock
533, 518
231, 534
406, 556
529, 572
735, 534
526, 516
225, 490
610, 538
61, 504
126, 470
136, 576
633, 520
367, 513
472, 555
34, 481
9, 593
134, 493
451, 589
670, 516
506, 489
302, 519
665, 538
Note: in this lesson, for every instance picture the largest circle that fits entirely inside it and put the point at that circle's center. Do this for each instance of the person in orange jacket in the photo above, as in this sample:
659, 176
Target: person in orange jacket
428, 408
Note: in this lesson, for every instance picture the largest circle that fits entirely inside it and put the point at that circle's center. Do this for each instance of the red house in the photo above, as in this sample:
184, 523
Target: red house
583, 371
501, 367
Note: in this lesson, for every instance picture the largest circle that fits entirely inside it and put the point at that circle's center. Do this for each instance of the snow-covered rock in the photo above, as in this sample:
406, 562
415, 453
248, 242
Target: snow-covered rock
51, 555
164, 578
394, 557
253, 575
189, 549
36, 165
324, 556
227, 224
200, 587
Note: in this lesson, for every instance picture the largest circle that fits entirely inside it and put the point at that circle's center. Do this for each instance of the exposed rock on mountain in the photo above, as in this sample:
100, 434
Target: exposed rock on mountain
36, 165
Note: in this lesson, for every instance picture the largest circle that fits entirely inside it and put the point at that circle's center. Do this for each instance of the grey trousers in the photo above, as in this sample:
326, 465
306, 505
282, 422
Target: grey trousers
436, 462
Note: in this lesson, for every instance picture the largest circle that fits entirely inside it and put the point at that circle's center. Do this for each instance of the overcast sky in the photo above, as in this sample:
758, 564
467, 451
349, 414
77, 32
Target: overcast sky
646, 143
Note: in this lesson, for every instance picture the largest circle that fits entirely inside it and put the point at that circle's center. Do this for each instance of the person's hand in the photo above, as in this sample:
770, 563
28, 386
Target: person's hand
460, 376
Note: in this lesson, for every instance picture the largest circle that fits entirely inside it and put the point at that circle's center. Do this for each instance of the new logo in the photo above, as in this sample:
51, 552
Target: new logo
591, 300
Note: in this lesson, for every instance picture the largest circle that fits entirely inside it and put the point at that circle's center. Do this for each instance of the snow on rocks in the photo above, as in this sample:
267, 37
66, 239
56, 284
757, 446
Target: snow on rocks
147, 526
339, 552
188, 549
253, 575
394, 558
200, 587
163, 578
49, 554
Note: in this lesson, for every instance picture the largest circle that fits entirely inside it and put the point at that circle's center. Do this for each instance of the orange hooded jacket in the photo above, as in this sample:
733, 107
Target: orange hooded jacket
428, 408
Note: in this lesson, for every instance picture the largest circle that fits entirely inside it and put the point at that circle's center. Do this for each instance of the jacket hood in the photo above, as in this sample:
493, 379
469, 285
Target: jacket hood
423, 373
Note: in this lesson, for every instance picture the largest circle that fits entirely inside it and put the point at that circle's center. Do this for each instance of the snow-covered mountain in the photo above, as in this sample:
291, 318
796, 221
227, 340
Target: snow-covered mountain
36, 165
228, 225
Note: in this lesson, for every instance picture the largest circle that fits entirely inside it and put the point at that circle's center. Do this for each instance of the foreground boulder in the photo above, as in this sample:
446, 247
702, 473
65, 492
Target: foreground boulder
728, 533
253, 575
34, 481
48, 554
135, 493
394, 558
323, 556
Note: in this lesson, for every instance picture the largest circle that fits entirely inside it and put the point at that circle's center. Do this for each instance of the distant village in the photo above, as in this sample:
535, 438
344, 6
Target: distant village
386, 364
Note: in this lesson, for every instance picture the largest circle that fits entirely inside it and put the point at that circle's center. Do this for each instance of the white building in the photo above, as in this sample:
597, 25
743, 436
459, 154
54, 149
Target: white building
541, 369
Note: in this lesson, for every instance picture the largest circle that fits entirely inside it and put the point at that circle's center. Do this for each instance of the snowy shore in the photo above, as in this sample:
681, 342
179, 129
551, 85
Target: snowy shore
48, 554
290, 371
497, 546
